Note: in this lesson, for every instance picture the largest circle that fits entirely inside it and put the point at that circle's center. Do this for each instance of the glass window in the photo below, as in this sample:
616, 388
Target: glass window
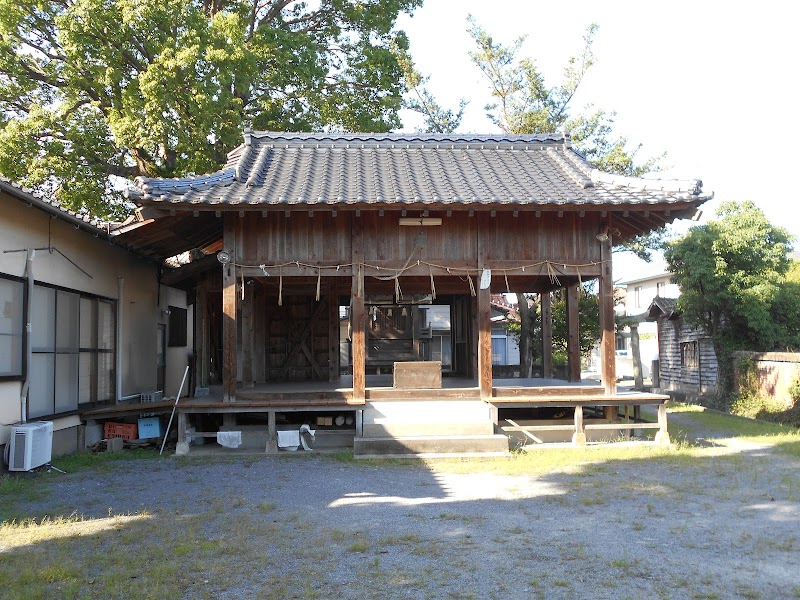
12, 295
42, 391
74, 346
498, 351
43, 330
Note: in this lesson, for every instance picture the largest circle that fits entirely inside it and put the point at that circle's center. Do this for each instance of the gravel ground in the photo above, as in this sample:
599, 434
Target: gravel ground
726, 525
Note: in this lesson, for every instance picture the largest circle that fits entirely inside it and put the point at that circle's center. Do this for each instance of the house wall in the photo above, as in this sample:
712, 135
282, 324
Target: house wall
674, 377
100, 268
648, 289
177, 357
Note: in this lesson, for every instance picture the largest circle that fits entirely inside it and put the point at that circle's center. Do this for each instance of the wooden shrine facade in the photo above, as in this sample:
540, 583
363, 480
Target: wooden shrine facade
300, 237
300, 266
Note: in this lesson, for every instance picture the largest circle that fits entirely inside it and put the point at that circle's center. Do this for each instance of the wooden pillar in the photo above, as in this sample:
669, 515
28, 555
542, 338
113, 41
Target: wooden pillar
579, 437
662, 435
573, 337
636, 356
547, 335
484, 343
272, 433
333, 335
248, 336
182, 447
357, 313
484, 312
229, 366
607, 341
607, 335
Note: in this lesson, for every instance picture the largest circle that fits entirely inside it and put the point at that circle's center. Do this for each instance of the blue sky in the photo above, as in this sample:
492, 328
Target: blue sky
711, 83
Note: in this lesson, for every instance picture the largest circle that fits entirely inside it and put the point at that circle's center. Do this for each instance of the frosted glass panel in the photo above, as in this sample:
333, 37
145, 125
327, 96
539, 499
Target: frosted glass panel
40, 397
85, 381
10, 354
105, 326
11, 295
105, 376
43, 334
88, 323
67, 322
66, 382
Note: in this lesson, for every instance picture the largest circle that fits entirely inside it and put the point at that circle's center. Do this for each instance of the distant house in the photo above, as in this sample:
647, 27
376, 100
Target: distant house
84, 322
639, 294
687, 361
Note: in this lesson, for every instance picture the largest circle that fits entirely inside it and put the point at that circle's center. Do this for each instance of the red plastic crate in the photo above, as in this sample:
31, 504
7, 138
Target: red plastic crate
126, 431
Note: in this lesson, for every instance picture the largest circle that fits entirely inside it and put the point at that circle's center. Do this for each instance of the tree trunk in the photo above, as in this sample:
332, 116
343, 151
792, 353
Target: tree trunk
525, 337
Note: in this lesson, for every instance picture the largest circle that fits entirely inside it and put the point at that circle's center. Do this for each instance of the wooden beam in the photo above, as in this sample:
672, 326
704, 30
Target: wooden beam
229, 366
357, 314
547, 335
573, 338
607, 340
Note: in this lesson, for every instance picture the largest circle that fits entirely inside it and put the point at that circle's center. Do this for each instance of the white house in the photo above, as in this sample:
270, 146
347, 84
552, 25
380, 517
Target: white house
84, 322
639, 293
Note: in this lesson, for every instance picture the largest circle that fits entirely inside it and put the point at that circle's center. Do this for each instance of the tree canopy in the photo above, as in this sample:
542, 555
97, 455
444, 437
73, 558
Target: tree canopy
97, 89
732, 276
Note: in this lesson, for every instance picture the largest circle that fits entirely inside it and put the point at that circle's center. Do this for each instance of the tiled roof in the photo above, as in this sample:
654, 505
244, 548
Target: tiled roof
84, 220
666, 308
409, 169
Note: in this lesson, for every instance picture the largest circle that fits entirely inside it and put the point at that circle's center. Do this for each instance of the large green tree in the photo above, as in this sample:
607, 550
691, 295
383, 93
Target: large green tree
731, 272
91, 90
524, 103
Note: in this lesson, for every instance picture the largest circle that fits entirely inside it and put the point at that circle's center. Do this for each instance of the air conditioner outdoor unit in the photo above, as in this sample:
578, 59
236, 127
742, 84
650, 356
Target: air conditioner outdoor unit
29, 446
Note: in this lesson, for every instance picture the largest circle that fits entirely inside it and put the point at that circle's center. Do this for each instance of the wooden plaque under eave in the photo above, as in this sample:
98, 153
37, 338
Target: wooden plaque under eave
420, 375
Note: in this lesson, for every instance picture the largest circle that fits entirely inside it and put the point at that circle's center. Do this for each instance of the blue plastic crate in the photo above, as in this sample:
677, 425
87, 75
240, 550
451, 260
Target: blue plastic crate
149, 428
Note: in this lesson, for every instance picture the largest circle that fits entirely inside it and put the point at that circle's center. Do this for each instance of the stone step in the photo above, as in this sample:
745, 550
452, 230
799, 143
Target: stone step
412, 446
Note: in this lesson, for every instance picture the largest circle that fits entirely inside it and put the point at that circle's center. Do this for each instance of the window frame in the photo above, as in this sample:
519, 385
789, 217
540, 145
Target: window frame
23, 335
690, 354
79, 351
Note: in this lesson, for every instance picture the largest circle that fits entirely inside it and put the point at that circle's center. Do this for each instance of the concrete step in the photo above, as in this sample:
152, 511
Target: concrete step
412, 446
399, 429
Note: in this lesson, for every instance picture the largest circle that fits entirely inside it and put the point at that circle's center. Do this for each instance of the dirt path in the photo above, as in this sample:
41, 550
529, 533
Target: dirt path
706, 524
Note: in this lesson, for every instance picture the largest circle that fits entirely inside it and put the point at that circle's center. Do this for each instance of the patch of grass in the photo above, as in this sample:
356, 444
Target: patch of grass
266, 507
81, 461
360, 546
403, 539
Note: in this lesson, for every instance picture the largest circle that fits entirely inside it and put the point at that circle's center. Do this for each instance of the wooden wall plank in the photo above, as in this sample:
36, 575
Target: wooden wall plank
248, 337
573, 337
333, 335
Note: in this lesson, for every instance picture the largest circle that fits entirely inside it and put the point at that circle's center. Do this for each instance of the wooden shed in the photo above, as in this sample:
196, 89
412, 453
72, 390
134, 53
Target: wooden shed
301, 230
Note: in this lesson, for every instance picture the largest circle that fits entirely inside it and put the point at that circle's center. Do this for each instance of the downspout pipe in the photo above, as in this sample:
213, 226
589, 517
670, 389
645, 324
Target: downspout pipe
23, 398
120, 298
